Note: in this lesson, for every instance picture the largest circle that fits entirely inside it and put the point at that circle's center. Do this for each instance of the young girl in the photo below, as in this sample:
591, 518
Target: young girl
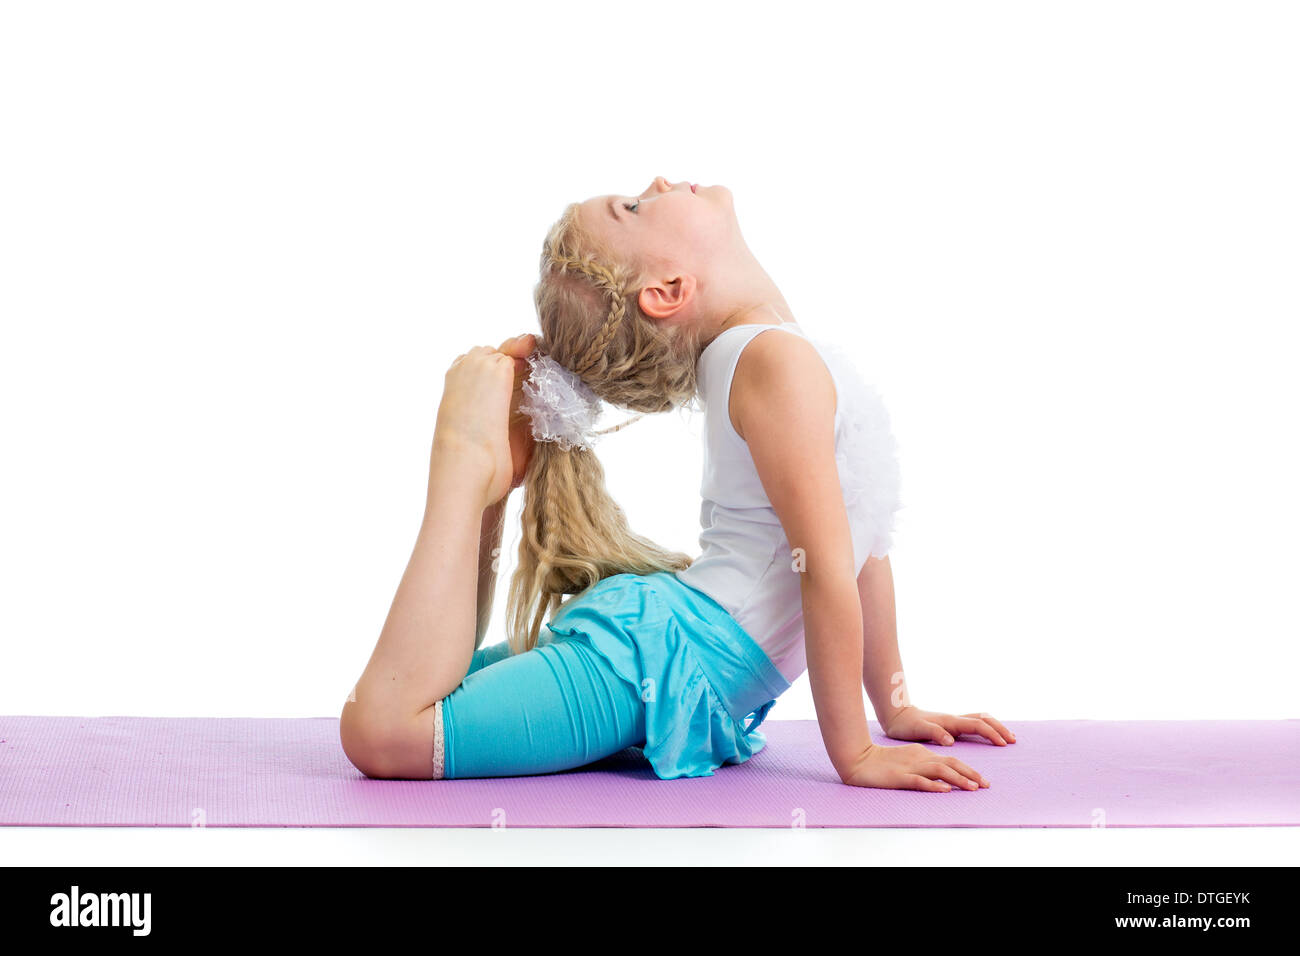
646, 303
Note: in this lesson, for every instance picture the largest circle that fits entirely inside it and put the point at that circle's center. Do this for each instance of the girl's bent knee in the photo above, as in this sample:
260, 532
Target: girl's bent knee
385, 750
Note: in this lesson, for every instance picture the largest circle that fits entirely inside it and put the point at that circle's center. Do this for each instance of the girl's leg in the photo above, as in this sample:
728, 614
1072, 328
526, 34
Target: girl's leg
427, 642
487, 655
556, 707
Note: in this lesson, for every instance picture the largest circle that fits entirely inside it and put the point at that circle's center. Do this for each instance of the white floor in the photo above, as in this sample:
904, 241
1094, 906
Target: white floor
134, 846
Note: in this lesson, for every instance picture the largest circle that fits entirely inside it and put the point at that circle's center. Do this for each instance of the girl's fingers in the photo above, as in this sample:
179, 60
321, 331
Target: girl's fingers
943, 771
939, 734
914, 781
971, 724
966, 770
1001, 728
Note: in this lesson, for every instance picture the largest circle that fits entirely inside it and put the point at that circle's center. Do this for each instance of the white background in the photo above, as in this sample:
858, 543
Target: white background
241, 242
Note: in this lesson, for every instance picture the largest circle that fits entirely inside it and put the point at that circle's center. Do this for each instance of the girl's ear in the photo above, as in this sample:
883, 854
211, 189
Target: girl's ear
666, 300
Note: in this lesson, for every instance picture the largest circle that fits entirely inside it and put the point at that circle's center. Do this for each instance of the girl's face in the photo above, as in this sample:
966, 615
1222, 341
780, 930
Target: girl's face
671, 228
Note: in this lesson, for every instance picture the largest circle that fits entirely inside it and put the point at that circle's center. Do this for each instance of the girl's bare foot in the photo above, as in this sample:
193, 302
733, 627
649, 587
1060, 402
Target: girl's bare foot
472, 435
521, 426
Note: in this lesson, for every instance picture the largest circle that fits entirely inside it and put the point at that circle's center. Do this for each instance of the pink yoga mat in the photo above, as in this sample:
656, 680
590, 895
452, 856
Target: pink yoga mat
250, 772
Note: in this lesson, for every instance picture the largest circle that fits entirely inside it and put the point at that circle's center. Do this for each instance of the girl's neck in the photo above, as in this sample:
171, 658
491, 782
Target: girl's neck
764, 313
744, 294
766, 308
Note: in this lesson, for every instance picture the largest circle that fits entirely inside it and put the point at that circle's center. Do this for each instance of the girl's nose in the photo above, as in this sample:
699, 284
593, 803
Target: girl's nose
660, 185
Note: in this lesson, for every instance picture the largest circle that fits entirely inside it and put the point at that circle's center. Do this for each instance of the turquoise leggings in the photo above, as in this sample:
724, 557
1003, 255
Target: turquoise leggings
556, 707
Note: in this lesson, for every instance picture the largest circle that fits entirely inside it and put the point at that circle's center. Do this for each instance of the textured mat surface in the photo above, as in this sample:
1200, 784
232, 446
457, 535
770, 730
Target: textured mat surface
248, 772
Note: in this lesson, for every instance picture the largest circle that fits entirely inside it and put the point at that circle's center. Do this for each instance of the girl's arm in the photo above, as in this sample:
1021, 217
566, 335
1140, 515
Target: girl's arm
783, 405
882, 672
882, 666
493, 523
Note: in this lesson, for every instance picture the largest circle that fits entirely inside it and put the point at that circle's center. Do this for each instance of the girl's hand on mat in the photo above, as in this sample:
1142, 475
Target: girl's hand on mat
473, 428
911, 767
911, 723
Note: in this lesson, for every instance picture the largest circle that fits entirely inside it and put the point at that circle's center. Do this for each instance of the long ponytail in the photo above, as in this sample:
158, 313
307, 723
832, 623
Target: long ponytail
574, 534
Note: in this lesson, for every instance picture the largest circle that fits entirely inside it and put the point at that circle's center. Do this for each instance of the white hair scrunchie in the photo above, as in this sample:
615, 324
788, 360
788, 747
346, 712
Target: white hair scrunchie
562, 407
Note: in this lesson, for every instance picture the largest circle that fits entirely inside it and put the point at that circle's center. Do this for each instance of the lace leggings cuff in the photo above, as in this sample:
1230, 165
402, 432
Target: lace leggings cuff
439, 742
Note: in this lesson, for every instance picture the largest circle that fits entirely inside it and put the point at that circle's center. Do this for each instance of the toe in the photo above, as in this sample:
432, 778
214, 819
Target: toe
519, 346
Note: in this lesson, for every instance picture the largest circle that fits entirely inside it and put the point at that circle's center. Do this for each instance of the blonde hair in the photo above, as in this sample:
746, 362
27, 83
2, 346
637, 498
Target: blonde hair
574, 534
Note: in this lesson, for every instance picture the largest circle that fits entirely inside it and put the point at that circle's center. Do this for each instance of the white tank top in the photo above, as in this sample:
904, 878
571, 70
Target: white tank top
747, 564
